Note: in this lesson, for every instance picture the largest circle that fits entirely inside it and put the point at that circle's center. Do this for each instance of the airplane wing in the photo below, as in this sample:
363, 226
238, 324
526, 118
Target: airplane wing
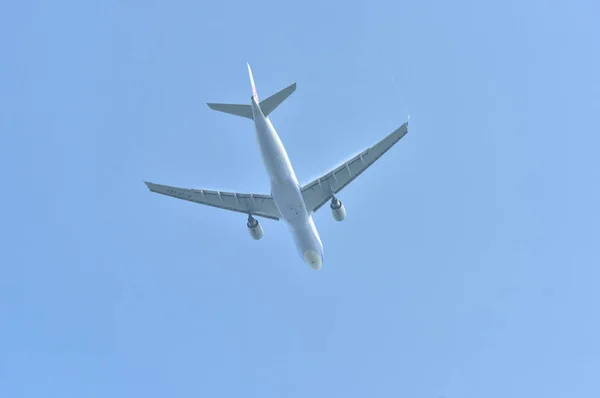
255, 204
319, 191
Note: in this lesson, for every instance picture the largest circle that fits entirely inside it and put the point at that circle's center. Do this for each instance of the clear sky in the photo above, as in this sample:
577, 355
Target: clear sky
468, 265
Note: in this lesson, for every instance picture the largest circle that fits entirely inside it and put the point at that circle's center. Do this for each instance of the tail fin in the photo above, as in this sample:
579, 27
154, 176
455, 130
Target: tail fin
254, 92
267, 106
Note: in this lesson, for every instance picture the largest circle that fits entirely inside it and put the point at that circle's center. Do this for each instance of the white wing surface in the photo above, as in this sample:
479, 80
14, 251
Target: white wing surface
319, 191
255, 204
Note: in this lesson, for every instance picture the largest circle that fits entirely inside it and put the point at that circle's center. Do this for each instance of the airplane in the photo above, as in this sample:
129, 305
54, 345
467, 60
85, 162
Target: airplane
289, 201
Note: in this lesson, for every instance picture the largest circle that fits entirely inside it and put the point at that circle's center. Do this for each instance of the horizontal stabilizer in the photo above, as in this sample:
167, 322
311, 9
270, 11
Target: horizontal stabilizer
268, 105
233, 109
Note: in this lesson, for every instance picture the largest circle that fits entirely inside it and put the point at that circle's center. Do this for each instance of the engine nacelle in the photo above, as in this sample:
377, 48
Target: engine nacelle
338, 210
255, 229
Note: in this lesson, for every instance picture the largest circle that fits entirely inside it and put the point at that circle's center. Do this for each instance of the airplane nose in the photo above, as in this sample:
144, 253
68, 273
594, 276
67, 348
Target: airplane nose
313, 259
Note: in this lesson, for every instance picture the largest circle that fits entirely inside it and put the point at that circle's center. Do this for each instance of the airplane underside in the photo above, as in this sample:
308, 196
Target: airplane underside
291, 202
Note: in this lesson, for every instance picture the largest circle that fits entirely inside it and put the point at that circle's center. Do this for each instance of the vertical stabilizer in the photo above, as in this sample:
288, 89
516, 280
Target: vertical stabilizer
254, 92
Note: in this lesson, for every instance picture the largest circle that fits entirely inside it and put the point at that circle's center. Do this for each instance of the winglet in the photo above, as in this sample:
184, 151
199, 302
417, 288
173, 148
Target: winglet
254, 92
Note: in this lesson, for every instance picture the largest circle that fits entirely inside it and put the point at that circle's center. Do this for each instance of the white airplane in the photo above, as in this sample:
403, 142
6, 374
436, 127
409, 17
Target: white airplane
290, 201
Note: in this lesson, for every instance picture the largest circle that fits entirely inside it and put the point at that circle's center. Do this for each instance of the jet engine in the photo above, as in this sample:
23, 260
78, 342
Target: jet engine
255, 229
338, 210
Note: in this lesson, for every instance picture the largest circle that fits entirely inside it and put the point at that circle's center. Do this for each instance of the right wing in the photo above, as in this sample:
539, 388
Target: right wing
255, 204
319, 191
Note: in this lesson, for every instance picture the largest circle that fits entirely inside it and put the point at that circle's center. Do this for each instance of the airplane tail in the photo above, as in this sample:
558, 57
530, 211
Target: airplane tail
254, 92
267, 106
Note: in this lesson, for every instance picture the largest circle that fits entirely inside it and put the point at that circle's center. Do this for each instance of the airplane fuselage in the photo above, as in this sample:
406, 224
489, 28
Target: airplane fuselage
289, 202
285, 190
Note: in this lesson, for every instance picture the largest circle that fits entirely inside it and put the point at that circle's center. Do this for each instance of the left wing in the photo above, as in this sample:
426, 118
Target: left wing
255, 204
319, 191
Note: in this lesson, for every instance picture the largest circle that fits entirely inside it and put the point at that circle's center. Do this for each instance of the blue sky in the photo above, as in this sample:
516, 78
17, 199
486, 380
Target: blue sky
467, 265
